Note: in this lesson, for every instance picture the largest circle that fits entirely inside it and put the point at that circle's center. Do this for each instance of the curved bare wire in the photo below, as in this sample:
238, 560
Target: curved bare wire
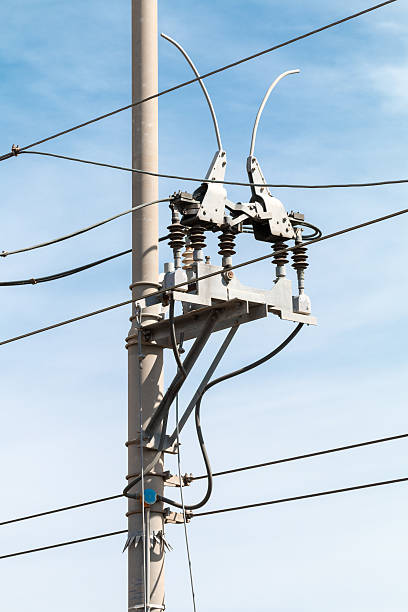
203, 87
264, 101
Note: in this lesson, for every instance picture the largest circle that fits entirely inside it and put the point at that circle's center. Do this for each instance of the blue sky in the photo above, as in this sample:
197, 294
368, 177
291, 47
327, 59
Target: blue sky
63, 416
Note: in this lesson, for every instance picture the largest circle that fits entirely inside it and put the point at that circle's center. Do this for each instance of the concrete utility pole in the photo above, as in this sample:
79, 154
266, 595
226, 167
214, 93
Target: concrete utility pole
144, 281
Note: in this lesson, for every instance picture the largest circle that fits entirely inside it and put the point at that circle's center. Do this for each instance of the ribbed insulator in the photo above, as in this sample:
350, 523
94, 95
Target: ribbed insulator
176, 235
227, 243
299, 257
282, 258
197, 237
188, 258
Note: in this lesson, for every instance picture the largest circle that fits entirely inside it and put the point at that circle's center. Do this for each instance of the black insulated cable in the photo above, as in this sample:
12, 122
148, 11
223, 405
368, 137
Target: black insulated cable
301, 497
199, 431
222, 182
90, 539
16, 150
173, 338
63, 509
59, 275
83, 230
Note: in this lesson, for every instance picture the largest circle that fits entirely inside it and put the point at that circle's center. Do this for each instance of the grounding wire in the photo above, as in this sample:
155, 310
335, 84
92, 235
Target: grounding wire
83, 230
223, 182
211, 384
204, 76
221, 510
215, 474
190, 568
203, 277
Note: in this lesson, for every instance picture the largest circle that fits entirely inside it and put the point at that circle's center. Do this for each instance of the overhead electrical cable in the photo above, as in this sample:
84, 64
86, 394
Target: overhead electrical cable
219, 511
223, 473
52, 277
34, 550
223, 182
203, 277
300, 497
304, 456
81, 231
204, 76
59, 275
63, 509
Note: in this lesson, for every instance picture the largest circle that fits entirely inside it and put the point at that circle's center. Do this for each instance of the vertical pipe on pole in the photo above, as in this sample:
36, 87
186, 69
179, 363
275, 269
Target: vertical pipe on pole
145, 269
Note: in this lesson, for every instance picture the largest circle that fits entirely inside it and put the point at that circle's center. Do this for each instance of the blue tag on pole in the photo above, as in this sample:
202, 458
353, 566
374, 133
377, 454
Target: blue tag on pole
150, 496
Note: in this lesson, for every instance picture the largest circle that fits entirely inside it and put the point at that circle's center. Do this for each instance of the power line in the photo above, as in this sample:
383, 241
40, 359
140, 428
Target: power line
81, 231
203, 180
52, 277
300, 497
59, 275
221, 510
203, 277
63, 509
225, 472
33, 550
204, 76
305, 456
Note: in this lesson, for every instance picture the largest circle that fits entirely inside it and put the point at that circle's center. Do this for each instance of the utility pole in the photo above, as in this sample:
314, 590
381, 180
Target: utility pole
144, 281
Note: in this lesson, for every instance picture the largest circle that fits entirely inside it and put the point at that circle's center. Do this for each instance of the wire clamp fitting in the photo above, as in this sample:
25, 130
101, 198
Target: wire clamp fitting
175, 518
174, 481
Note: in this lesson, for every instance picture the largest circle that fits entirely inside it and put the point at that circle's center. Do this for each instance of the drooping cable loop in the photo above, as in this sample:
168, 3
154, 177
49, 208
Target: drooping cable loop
199, 431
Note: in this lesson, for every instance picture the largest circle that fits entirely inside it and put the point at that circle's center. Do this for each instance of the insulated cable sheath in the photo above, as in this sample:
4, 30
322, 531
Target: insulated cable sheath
301, 497
222, 182
173, 338
81, 231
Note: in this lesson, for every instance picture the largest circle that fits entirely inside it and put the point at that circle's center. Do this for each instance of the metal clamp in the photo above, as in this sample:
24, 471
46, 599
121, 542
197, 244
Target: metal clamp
175, 518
